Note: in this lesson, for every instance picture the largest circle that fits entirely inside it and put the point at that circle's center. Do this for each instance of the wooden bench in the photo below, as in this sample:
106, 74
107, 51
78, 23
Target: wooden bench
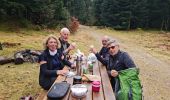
105, 93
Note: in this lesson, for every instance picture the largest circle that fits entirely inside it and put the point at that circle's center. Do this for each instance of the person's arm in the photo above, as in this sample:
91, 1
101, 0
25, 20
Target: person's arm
102, 60
43, 69
70, 47
109, 72
98, 56
51, 73
66, 51
100, 52
66, 62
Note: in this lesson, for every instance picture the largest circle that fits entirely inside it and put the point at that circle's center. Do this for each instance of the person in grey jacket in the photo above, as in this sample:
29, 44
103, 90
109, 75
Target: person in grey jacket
116, 61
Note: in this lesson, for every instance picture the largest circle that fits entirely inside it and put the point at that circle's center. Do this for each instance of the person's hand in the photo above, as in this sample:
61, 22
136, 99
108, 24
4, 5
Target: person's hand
62, 57
72, 46
114, 73
93, 50
62, 72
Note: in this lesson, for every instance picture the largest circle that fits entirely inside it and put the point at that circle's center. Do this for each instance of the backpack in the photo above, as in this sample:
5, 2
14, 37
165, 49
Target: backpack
128, 85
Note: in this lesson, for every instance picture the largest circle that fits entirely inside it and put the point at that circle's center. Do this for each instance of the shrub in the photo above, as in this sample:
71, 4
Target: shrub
74, 25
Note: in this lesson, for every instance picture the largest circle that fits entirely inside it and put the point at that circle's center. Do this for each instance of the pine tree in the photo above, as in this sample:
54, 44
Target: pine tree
97, 9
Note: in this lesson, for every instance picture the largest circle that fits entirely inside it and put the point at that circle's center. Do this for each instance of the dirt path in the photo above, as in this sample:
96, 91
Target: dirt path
154, 73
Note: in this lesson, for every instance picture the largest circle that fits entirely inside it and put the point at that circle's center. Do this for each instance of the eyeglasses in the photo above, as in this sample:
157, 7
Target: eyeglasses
112, 47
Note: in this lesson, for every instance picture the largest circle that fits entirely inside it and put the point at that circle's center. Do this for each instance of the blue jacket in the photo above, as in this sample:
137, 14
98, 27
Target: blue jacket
48, 71
104, 51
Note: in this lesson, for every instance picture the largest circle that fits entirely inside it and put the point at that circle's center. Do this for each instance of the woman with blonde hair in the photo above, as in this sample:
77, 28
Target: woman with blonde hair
51, 62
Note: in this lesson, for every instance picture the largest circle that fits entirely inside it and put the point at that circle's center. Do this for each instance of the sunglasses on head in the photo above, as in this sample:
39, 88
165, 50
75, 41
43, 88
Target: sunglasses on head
112, 47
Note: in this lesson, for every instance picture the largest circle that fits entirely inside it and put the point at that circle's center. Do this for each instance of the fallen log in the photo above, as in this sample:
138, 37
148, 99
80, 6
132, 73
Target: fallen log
4, 60
8, 44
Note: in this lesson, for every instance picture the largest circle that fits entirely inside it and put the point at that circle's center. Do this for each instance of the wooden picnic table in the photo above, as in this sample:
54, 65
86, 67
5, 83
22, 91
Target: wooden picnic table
105, 93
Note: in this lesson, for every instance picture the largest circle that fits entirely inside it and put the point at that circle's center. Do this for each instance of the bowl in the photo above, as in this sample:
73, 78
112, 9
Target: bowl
79, 90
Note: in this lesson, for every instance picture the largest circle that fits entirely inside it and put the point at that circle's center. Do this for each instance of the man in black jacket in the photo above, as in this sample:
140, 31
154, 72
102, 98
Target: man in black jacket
116, 61
66, 47
104, 50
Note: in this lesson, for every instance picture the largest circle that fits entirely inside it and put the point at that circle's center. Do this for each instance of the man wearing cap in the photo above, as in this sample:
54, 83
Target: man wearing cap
65, 46
116, 60
104, 50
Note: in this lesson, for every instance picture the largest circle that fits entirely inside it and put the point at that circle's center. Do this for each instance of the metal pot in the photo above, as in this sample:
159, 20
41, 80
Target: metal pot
79, 90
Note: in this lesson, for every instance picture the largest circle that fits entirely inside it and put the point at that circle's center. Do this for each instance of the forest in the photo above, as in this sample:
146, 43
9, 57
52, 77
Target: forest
117, 14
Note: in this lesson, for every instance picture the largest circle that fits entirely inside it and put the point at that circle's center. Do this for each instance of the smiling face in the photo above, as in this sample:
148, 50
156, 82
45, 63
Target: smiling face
105, 39
113, 49
104, 42
52, 44
64, 34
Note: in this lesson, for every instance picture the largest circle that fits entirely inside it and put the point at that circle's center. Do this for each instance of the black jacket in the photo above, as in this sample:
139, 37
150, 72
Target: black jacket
104, 51
63, 43
118, 62
48, 71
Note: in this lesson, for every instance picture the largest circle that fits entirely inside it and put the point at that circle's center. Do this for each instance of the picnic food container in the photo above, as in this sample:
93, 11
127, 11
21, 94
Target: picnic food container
78, 90
77, 79
96, 86
90, 66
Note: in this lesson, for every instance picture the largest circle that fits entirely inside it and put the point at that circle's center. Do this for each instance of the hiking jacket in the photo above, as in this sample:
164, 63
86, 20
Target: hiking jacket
62, 44
48, 71
118, 62
104, 51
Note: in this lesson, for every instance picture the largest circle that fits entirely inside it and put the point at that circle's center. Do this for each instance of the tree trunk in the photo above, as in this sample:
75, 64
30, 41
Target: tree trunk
166, 25
162, 25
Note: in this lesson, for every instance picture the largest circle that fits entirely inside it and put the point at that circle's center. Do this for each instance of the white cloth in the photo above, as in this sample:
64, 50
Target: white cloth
52, 53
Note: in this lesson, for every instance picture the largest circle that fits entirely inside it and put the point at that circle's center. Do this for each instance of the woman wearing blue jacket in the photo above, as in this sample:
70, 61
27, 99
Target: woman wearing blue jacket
51, 62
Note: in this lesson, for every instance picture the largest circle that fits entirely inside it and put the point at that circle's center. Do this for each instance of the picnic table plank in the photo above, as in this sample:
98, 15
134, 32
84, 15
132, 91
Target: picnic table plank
43, 93
89, 94
107, 88
96, 71
70, 81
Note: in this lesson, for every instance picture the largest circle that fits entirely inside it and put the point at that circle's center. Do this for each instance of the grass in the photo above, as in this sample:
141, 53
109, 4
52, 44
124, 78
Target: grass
18, 80
154, 42
22, 80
